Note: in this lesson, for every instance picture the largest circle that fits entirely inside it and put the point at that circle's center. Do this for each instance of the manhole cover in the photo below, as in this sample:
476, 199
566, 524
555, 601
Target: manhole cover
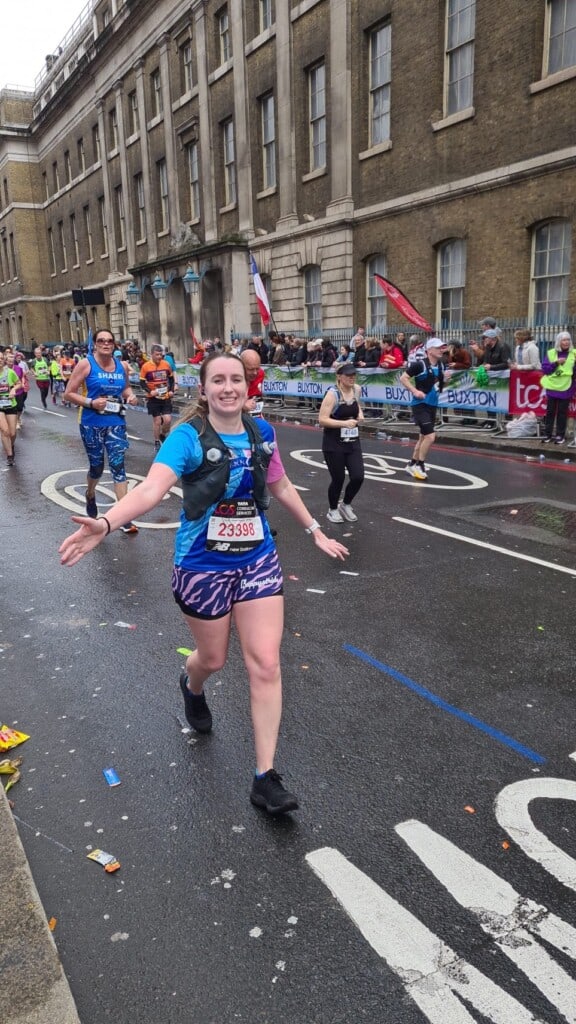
547, 522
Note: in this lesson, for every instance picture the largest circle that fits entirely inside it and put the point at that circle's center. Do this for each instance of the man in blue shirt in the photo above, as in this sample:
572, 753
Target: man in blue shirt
424, 379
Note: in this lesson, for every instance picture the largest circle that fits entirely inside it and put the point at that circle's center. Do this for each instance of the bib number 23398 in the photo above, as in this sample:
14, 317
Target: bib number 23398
234, 527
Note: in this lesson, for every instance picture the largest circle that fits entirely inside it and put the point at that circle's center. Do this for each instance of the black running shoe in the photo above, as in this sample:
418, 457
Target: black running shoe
269, 793
91, 508
10, 460
197, 712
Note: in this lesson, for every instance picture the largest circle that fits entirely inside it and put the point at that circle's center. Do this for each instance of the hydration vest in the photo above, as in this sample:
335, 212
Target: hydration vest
426, 380
208, 483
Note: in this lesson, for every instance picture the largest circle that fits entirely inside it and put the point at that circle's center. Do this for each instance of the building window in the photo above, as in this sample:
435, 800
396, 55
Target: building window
266, 15
156, 93
81, 156
55, 176
451, 282
562, 35
224, 36
313, 299
13, 255
229, 163
46, 186
317, 116
74, 235
163, 189
377, 306
2, 275
133, 115
380, 76
6, 194
113, 129
460, 23
141, 206
96, 142
120, 216
88, 232
194, 179
67, 167
6, 258
103, 224
52, 251
105, 17
268, 141
186, 77
552, 244
62, 240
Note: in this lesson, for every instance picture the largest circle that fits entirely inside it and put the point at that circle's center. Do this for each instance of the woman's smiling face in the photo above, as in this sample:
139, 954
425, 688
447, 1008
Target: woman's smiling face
225, 386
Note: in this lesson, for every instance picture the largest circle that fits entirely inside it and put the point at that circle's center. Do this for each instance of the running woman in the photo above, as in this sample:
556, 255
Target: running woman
99, 385
157, 379
226, 565
21, 371
41, 369
340, 414
9, 383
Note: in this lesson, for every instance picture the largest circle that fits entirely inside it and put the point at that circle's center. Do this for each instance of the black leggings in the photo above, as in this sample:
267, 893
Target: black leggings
338, 462
556, 409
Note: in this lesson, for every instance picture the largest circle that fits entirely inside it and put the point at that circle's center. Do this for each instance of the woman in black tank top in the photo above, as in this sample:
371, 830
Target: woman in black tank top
340, 414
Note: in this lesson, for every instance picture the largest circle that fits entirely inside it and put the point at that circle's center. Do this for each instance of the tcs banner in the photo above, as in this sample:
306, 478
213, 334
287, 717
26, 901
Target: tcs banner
526, 395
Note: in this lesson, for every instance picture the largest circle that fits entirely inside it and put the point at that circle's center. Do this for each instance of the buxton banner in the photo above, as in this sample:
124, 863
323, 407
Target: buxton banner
382, 386
526, 395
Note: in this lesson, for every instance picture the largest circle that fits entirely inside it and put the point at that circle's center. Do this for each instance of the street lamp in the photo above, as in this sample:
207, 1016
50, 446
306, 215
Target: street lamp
191, 282
159, 288
132, 294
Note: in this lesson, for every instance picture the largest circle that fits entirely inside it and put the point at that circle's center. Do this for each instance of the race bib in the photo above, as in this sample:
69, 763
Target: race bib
348, 433
6, 403
161, 391
112, 406
234, 527
258, 406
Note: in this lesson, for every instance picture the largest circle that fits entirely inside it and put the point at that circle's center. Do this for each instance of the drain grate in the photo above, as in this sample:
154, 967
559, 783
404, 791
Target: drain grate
547, 522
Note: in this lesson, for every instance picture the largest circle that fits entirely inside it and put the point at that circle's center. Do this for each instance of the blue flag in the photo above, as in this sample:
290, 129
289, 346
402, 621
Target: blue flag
90, 340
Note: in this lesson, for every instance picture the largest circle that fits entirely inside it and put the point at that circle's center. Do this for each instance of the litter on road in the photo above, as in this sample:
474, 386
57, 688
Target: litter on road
184, 650
107, 860
11, 737
111, 776
10, 767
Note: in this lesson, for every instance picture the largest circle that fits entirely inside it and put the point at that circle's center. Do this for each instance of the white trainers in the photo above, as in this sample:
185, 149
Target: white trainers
334, 515
410, 467
348, 512
419, 473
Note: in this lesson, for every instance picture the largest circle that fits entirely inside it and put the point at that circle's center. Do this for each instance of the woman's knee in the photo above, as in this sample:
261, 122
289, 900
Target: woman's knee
264, 668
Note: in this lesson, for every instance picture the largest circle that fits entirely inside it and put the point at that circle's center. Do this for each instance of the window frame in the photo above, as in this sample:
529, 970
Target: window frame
375, 297
455, 286
140, 195
88, 232
51, 251
62, 240
162, 170
75, 242
454, 53
113, 128
317, 118
269, 176
224, 36
265, 15
229, 162
121, 215
156, 93
564, 277
193, 165
548, 68
81, 155
313, 298
186, 67
133, 113
383, 88
103, 216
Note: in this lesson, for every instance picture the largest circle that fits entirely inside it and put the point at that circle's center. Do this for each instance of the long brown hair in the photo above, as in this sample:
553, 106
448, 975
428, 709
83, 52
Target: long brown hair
199, 407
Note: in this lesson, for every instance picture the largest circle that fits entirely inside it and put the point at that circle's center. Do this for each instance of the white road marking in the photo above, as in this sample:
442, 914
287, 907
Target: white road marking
133, 437
388, 468
511, 809
572, 756
433, 975
298, 488
69, 497
484, 544
511, 919
50, 412
310, 590
344, 572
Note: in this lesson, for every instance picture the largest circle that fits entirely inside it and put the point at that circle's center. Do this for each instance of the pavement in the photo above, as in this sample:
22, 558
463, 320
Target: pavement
35, 989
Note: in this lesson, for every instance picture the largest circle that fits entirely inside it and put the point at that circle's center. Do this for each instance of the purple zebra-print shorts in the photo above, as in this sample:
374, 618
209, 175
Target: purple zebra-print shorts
211, 595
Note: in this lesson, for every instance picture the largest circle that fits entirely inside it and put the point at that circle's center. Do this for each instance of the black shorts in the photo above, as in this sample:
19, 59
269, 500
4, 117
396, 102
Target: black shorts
159, 406
424, 417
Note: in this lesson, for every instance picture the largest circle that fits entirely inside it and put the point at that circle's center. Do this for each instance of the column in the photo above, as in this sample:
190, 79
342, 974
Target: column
285, 119
152, 246
126, 184
169, 137
241, 131
205, 133
341, 105
110, 222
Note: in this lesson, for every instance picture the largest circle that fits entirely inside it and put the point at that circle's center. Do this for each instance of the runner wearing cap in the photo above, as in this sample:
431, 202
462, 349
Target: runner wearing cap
157, 379
340, 414
425, 380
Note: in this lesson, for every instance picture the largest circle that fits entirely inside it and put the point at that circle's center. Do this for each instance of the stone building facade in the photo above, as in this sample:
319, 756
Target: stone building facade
433, 143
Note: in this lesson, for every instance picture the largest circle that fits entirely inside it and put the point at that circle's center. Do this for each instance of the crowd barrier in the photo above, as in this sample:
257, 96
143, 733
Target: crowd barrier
507, 391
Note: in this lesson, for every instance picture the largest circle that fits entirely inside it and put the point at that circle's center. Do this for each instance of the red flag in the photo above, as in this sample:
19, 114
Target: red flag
398, 299
261, 296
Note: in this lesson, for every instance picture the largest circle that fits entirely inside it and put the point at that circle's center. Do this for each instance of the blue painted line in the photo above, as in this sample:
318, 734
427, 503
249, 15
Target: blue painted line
494, 734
